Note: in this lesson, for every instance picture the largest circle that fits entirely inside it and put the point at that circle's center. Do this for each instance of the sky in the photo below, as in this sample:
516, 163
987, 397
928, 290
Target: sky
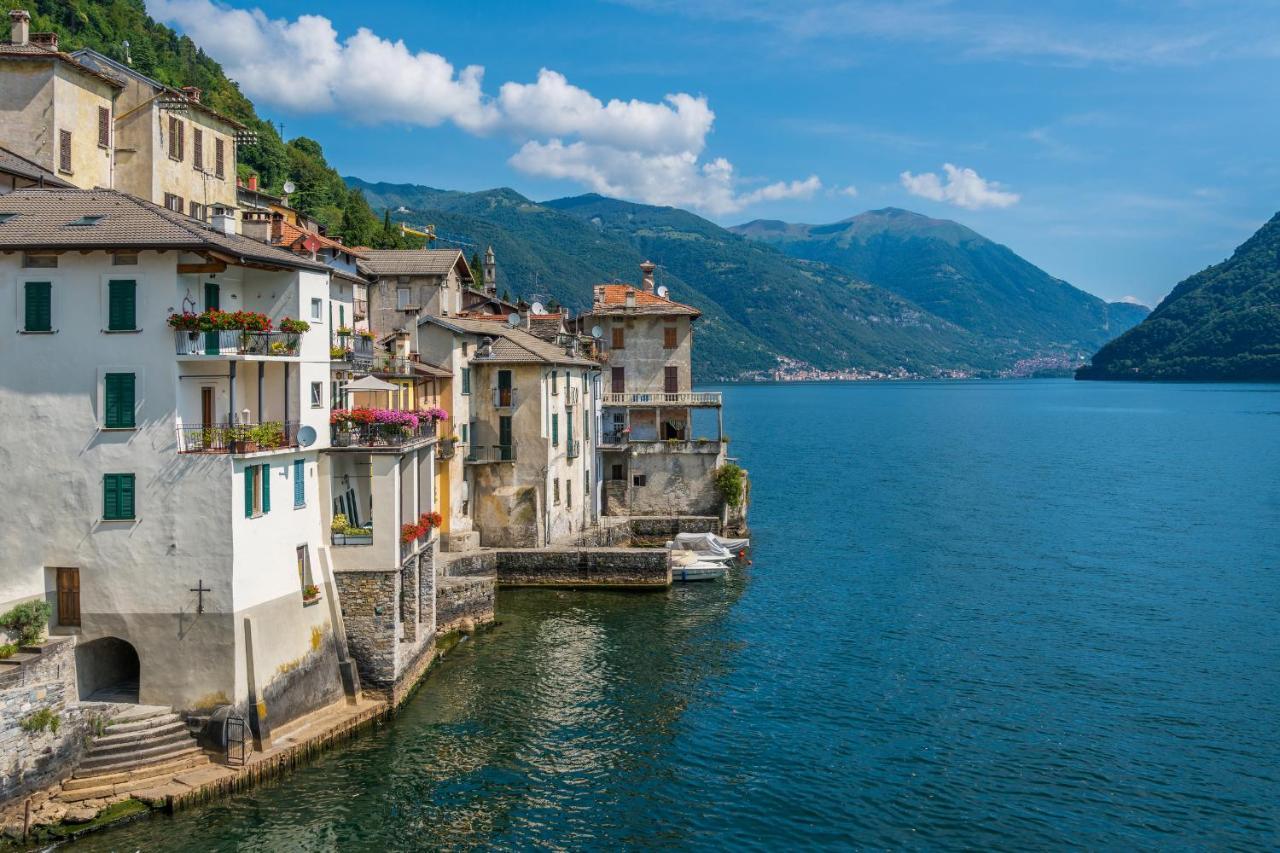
1120, 146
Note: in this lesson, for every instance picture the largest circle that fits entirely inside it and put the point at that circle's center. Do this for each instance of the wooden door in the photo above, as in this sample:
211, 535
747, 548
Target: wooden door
618, 380
671, 380
504, 439
68, 596
206, 407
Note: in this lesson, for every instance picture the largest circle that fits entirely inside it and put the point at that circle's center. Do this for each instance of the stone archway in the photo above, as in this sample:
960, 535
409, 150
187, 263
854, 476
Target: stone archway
107, 670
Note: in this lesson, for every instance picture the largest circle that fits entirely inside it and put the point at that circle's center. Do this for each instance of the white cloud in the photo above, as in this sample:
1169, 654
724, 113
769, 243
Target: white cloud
963, 188
649, 151
1133, 300
851, 191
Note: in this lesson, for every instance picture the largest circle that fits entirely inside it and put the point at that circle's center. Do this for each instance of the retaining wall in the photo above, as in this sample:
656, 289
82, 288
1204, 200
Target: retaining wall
459, 599
32, 760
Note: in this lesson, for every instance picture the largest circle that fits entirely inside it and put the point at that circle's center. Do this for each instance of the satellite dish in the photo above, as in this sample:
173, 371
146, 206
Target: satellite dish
597, 332
537, 308
662, 291
289, 187
307, 436
513, 319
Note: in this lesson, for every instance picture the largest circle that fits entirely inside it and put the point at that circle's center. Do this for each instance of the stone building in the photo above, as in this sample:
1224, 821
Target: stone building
19, 173
173, 475
405, 285
660, 441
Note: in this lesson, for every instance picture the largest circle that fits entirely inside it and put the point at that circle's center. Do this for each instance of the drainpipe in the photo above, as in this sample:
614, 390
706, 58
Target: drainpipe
262, 371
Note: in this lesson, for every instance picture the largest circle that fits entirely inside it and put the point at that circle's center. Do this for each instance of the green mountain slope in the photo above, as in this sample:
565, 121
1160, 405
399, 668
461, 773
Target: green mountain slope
958, 274
1222, 323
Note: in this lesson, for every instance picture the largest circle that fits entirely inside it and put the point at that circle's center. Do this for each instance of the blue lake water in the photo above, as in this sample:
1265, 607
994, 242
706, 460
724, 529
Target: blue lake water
992, 615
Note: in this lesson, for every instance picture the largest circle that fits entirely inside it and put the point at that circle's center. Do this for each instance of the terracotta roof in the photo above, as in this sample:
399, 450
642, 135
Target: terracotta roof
29, 51
511, 344
45, 216
291, 235
15, 164
612, 298
382, 262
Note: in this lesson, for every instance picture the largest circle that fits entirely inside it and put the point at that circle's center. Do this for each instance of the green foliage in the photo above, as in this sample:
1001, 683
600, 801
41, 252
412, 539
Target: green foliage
730, 482
1222, 323
39, 720
27, 621
8, 650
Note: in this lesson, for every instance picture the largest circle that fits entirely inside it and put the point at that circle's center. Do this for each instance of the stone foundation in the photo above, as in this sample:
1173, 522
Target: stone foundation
631, 567
47, 681
459, 599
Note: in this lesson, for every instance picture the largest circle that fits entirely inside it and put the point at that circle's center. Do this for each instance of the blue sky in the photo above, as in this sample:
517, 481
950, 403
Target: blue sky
1120, 146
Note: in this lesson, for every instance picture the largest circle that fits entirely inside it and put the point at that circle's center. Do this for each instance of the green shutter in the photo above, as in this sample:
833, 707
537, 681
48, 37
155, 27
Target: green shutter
266, 489
118, 497
466, 380
126, 496
118, 401
555, 430
122, 310
248, 491
39, 306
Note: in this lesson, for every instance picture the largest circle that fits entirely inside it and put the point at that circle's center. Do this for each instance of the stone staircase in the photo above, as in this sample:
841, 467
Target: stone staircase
141, 747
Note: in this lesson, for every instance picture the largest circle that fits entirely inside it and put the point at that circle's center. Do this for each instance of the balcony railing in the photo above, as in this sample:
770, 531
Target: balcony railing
381, 363
380, 435
504, 398
484, 453
571, 397
573, 449
614, 436
236, 342
664, 398
238, 438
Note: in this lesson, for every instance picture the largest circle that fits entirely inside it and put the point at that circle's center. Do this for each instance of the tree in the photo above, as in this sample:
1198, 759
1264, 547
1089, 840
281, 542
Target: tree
477, 272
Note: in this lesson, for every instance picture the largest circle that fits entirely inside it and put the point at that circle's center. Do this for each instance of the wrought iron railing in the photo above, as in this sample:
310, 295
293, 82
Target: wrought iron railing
482, 453
573, 448
379, 435
238, 438
236, 342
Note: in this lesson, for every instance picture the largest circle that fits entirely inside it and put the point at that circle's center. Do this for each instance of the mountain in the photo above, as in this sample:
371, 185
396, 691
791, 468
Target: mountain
758, 305
959, 275
1222, 323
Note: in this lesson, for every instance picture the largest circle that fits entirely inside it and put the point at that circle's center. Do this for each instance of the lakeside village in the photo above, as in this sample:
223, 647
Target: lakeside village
274, 475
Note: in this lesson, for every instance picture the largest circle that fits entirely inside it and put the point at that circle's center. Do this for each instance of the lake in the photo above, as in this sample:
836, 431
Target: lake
995, 615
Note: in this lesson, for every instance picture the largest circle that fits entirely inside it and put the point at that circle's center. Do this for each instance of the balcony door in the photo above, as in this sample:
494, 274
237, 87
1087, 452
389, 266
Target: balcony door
671, 380
504, 390
618, 380
505, 450
206, 407
212, 302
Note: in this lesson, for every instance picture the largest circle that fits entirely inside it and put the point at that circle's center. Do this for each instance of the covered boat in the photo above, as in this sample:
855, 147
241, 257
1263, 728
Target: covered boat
689, 566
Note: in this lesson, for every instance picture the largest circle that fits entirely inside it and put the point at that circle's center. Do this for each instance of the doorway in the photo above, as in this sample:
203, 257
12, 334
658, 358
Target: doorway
107, 670
69, 597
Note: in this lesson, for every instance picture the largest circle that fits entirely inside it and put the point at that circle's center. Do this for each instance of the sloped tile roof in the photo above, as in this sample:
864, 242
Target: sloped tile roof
44, 218
413, 262
612, 299
29, 51
15, 164
512, 344
291, 235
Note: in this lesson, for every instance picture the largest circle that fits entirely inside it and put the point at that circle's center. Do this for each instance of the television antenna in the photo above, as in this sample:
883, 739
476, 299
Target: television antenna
537, 308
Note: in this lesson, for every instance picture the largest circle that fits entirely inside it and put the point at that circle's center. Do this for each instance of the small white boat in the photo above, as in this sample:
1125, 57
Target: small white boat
708, 546
689, 566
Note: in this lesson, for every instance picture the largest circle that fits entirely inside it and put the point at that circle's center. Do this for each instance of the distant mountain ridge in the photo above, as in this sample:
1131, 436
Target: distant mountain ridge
1222, 323
954, 272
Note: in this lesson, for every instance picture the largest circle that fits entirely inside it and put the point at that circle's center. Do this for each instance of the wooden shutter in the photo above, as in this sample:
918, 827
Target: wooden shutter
39, 306
671, 381
117, 496
122, 305
64, 150
299, 483
266, 489
104, 127
197, 148
182, 140
126, 495
248, 490
218, 157
118, 400
618, 380
669, 337
618, 339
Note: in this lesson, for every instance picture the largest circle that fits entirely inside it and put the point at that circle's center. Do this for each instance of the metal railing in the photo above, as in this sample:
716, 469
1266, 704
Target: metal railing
379, 435
381, 363
236, 342
483, 453
504, 398
573, 448
571, 397
656, 398
614, 436
238, 438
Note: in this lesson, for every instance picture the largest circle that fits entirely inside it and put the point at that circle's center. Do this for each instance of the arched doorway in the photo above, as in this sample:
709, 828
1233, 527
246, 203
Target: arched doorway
107, 670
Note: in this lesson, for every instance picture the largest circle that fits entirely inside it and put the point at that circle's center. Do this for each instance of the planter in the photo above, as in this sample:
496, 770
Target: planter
243, 446
348, 539
342, 439
307, 602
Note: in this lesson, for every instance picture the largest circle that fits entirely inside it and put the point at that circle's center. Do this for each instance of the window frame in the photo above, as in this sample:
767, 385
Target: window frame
130, 419
317, 309
466, 381
118, 480
317, 395
299, 483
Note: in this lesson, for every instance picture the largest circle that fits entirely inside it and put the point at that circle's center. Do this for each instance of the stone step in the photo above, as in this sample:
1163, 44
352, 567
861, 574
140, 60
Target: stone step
114, 763
140, 735
141, 776
146, 741
138, 724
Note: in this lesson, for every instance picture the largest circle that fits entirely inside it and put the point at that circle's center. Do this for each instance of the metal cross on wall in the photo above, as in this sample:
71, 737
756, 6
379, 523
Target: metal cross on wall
200, 589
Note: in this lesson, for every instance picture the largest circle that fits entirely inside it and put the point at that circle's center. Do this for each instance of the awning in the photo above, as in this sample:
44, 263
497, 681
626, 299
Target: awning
371, 383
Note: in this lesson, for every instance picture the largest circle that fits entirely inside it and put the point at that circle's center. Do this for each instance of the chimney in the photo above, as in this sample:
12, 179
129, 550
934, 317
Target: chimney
490, 273
224, 220
277, 227
19, 26
49, 41
646, 272
192, 93
256, 225
253, 183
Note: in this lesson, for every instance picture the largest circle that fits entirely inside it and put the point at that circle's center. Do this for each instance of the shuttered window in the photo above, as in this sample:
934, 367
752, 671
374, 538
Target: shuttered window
197, 148
64, 151
177, 136
118, 398
257, 490
218, 161
104, 127
118, 497
669, 337
173, 202
122, 306
466, 380
38, 306
555, 430
619, 341
299, 483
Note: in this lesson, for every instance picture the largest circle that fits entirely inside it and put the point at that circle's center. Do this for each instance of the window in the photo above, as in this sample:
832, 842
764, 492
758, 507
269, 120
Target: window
304, 567
219, 159
568, 494
122, 306
104, 127
38, 306
615, 473
118, 400
555, 430
618, 380
586, 488
196, 211
463, 436
317, 309
556, 490
68, 597
555, 382
466, 380
118, 497
671, 380
64, 151
39, 262
618, 338
639, 480
299, 483
669, 337
124, 259
197, 149
317, 395
177, 134
257, 490
402, 298
173, 202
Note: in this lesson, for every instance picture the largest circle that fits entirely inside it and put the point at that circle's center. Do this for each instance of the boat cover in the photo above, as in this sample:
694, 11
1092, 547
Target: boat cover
708, 542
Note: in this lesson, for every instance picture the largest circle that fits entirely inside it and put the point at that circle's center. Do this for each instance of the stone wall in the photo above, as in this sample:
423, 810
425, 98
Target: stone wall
369, 601
31, 760
646, 567
476, 564
662, 527
463, 598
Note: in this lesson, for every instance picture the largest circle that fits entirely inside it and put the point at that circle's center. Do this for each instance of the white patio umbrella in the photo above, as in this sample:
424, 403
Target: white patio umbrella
373, 384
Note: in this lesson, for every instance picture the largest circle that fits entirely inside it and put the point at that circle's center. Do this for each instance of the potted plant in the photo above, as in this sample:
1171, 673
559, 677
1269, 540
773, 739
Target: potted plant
344, 331
280, 348
310, 594
337, 353
365, 334
295, 327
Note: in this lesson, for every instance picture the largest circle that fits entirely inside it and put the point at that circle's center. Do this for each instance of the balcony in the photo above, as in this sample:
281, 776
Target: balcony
571, 397
236, 342
573, 448
380, 435
381, 364
238, 438
504, 398
664, 398
446, 449
482, 454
